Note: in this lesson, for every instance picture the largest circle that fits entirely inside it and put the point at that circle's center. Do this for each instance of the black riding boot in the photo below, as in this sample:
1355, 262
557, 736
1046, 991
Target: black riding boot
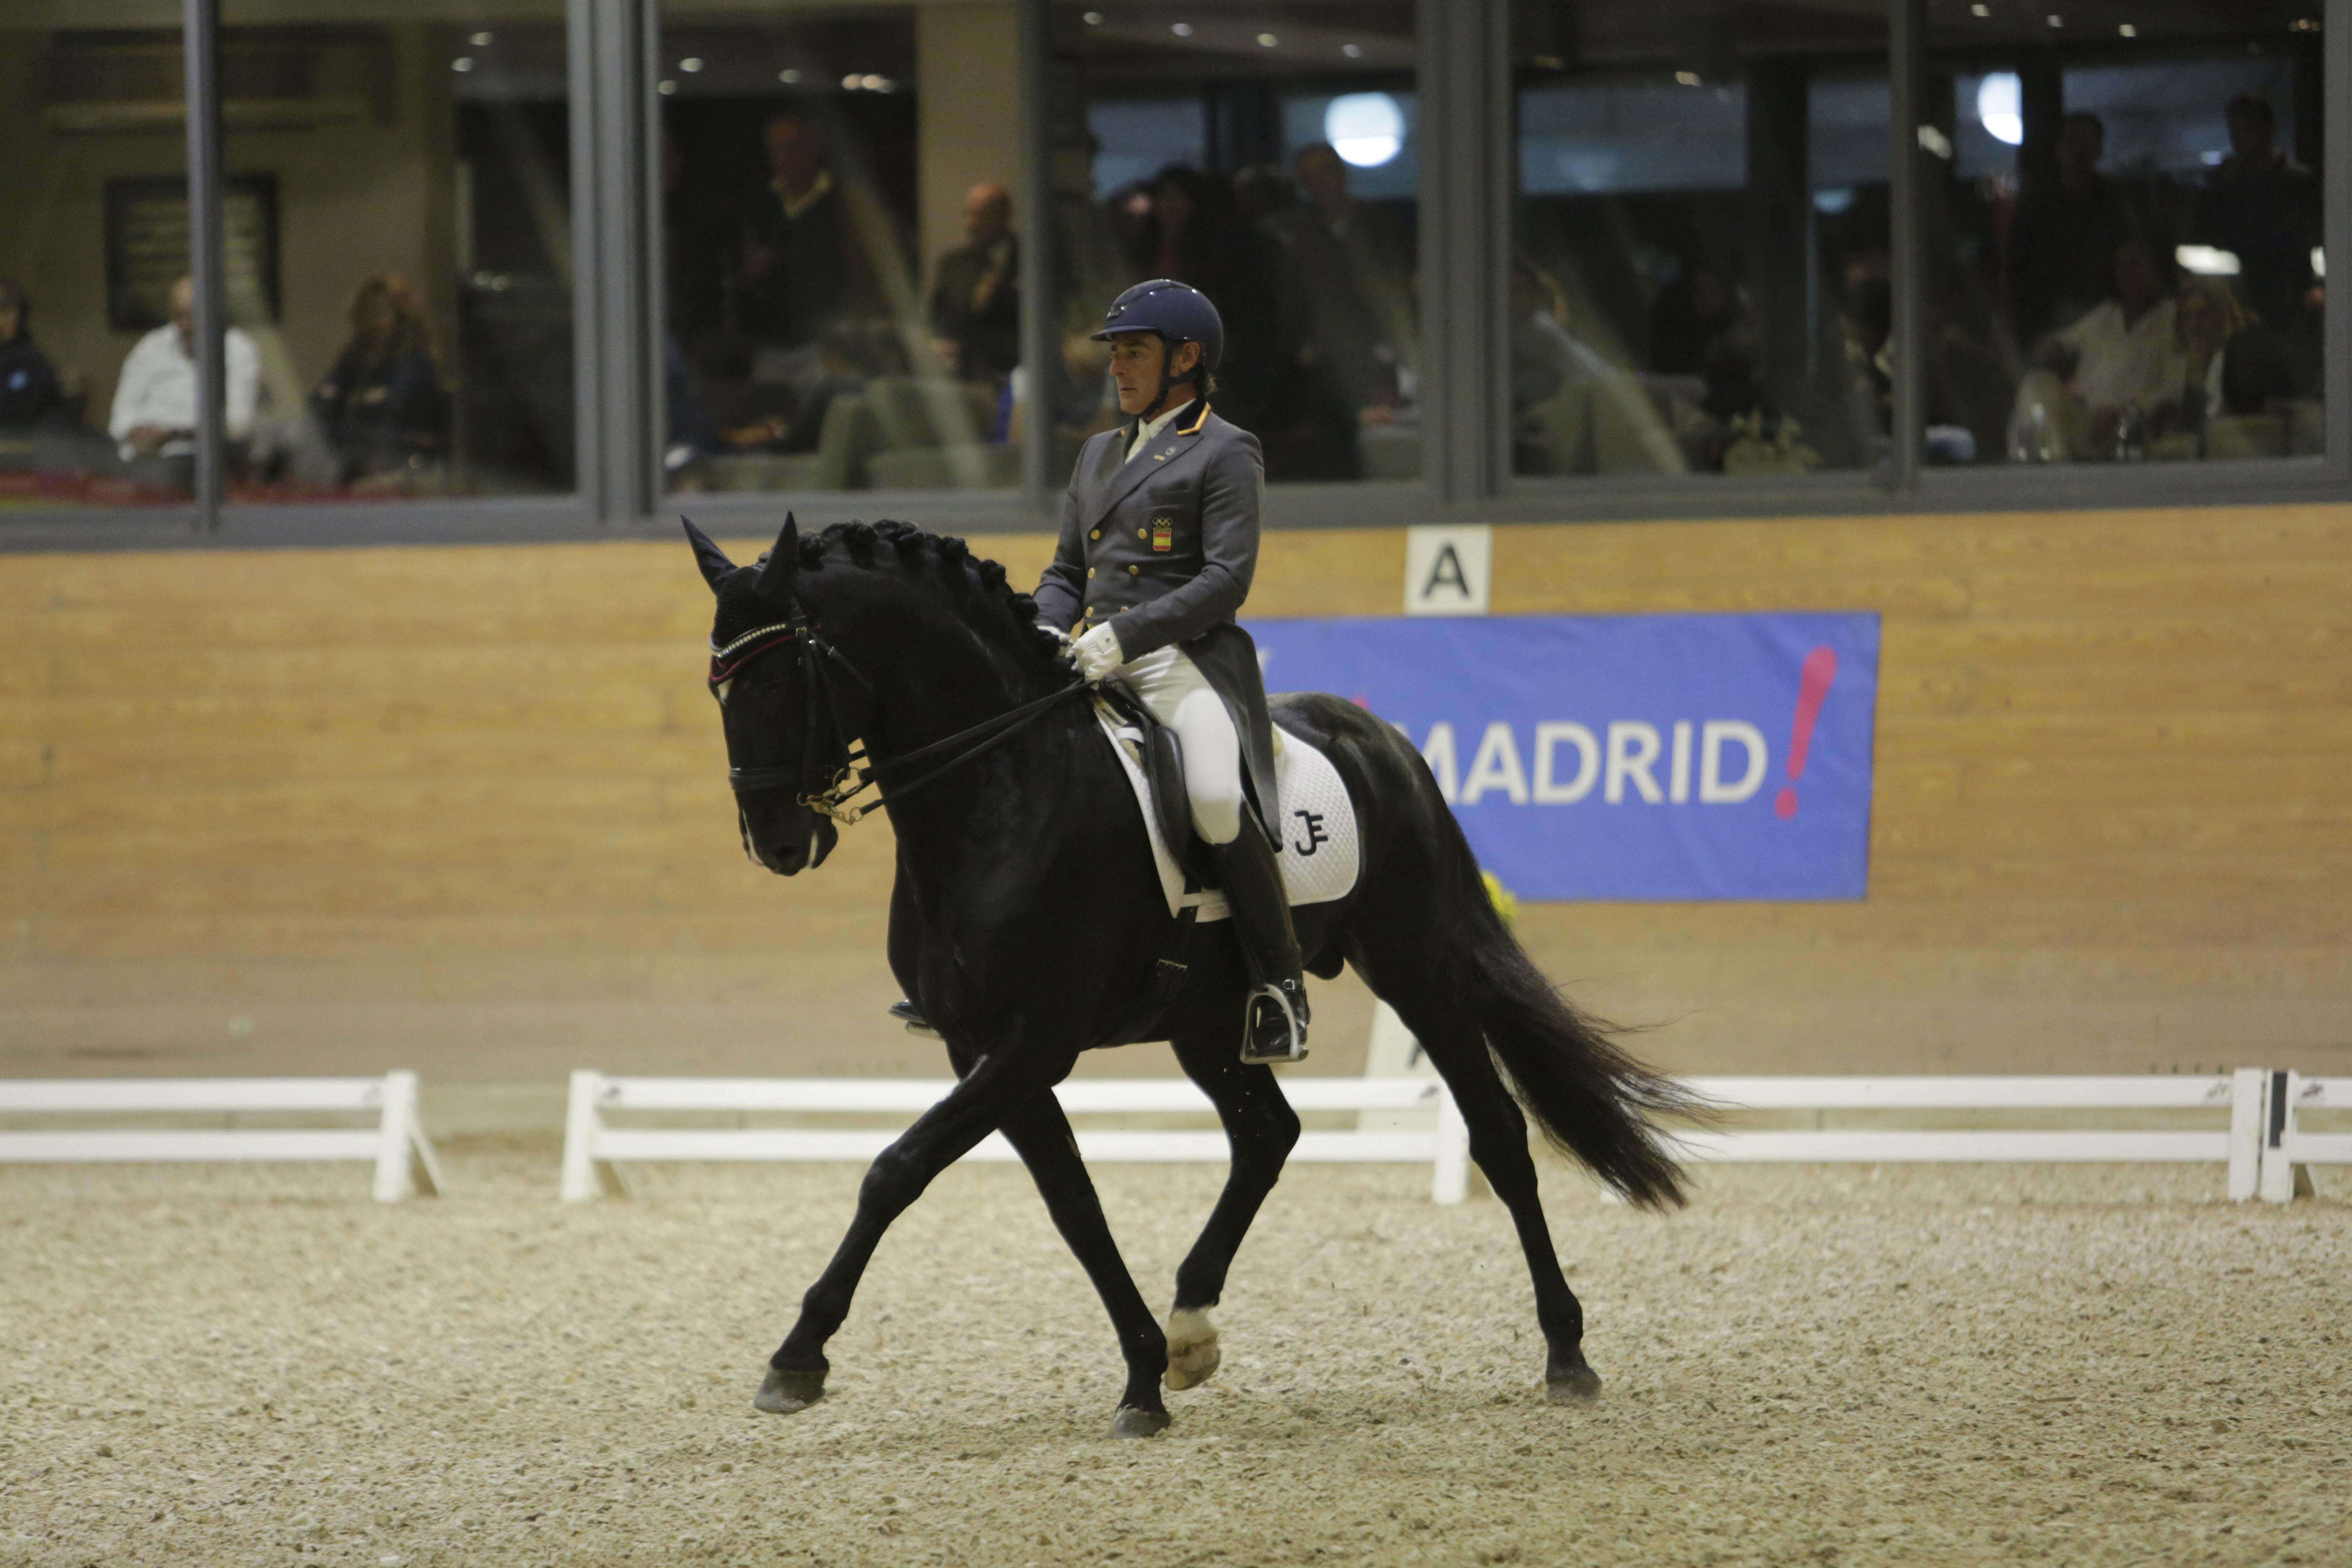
1274, 1029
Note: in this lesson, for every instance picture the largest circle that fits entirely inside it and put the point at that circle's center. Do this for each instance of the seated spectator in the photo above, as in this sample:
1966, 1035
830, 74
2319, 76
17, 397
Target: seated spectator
2235, 365
2062, 246
802, 267
2121, 359
1572, 411
976, 298
29, 393
1692, 311
2264, 209
382, 408
154, 420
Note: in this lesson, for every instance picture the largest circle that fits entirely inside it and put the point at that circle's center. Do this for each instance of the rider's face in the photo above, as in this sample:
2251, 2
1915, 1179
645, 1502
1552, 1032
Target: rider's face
1136, 361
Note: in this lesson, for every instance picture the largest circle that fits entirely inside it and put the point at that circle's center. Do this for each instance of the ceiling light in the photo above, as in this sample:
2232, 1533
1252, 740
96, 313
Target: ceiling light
788, 77
1267, 41
1688, 79
1353, 51
691, 63
2319, 261
851, 82
665, 88
462, 64
1092, 18
480, 40
2127, 30
2000, 108
878, 84
1549, 62
2056, 20
1182, 29
1981, 9
1366, 129
2206, 261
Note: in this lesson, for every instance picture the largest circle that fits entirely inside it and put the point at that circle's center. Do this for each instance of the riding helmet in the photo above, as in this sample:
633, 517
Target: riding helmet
1179, 313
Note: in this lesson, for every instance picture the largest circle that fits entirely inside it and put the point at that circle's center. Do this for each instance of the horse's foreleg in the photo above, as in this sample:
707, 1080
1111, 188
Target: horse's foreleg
1261, 1127
1449, 1031
1041, 1132
940, 1137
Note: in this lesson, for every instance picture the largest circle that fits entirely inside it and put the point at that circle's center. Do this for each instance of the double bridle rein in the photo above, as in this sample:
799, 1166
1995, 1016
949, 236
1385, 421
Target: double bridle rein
826, 776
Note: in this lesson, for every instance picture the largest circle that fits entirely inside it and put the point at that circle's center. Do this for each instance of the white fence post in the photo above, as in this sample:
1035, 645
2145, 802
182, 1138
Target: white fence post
581, 1124
406, 1163
2248, 1093
2278, 1182
1449, 1181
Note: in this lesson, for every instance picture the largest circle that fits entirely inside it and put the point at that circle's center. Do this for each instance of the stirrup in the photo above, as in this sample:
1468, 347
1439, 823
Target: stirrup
1272, 1008
909, 1014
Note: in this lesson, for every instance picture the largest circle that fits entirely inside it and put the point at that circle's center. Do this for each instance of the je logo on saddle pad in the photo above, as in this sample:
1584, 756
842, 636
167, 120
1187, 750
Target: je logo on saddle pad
1319, 854
1163, 534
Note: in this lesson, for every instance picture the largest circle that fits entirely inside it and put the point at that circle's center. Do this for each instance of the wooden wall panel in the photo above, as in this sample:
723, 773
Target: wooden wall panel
463, 808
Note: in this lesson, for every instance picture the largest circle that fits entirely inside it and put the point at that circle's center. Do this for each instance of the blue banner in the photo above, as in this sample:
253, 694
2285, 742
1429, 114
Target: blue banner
1626, 756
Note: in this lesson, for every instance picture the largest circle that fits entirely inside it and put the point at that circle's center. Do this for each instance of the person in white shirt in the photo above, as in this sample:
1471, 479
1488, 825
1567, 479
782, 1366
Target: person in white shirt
2121, 357
154, 415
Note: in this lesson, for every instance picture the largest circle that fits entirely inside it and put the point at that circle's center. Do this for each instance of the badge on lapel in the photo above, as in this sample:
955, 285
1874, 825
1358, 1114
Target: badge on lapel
1163, 534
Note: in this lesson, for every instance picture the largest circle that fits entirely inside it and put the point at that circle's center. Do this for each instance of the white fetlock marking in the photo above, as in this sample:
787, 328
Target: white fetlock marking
1192, 1353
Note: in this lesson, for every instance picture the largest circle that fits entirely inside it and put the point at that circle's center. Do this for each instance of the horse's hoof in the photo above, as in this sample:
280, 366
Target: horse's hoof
1131, 1422
1572, 1384
1192, 1353
783, 1392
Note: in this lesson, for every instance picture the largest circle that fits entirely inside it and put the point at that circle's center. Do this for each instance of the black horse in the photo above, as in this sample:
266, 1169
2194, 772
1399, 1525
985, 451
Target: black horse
1028, 918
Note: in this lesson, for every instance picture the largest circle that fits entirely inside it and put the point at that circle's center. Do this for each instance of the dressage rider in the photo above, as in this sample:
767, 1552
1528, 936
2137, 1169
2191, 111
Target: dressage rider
1158, 542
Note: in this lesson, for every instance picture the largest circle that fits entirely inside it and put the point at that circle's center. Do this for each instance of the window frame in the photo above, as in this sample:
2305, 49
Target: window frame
1466, 199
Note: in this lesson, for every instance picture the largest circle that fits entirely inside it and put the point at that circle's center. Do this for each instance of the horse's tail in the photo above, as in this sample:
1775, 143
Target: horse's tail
1590, 1097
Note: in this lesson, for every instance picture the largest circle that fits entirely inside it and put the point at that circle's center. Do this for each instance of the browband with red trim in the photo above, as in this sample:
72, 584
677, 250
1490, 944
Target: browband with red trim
721, 667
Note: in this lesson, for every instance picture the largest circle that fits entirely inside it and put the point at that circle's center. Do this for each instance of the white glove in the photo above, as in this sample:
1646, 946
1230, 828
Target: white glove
1097, 653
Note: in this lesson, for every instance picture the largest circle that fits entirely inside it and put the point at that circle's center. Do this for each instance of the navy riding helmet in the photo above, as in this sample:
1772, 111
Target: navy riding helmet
1179, 313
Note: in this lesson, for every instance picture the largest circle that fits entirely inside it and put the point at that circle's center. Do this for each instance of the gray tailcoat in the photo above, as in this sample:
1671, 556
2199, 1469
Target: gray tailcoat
1163, 547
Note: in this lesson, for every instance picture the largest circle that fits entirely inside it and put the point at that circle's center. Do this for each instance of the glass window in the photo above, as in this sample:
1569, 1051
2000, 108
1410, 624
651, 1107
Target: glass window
399, 278
97, 382
1700, 277
2123, 232
1268, 154
842, 249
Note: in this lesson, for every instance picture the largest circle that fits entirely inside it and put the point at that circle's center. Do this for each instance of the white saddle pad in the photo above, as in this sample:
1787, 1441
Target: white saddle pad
1319, 850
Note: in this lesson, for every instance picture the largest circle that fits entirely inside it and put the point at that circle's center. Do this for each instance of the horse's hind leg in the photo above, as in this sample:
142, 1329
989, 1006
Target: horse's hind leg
1038, 1130
1262, 1128
1449, 1031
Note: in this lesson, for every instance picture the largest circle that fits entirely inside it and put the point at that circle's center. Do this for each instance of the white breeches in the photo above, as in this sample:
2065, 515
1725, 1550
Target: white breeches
1179, 697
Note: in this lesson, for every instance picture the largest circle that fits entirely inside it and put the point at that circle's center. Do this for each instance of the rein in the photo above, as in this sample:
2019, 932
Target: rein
816, 655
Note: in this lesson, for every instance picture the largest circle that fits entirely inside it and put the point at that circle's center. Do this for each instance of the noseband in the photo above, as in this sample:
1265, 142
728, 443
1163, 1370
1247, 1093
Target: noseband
827, 759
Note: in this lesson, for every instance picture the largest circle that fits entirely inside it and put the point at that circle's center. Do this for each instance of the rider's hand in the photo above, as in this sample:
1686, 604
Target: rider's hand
1096, 654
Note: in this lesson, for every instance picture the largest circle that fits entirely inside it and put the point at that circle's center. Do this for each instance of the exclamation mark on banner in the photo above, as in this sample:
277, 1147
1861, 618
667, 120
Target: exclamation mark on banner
1813, 685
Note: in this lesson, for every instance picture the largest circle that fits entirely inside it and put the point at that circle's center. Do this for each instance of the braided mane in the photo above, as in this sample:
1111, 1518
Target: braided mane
914, 551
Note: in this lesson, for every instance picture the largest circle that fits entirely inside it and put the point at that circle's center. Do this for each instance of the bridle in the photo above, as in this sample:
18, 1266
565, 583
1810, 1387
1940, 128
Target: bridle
826, 776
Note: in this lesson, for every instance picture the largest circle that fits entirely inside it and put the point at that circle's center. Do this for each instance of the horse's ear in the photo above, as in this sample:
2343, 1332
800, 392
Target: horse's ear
707, 555
775, 580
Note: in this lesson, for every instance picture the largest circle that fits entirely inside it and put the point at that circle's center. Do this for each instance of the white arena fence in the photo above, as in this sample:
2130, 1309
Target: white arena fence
2287, 1148
2260, 1146
396, 1145
2244, 1094
591, 1148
